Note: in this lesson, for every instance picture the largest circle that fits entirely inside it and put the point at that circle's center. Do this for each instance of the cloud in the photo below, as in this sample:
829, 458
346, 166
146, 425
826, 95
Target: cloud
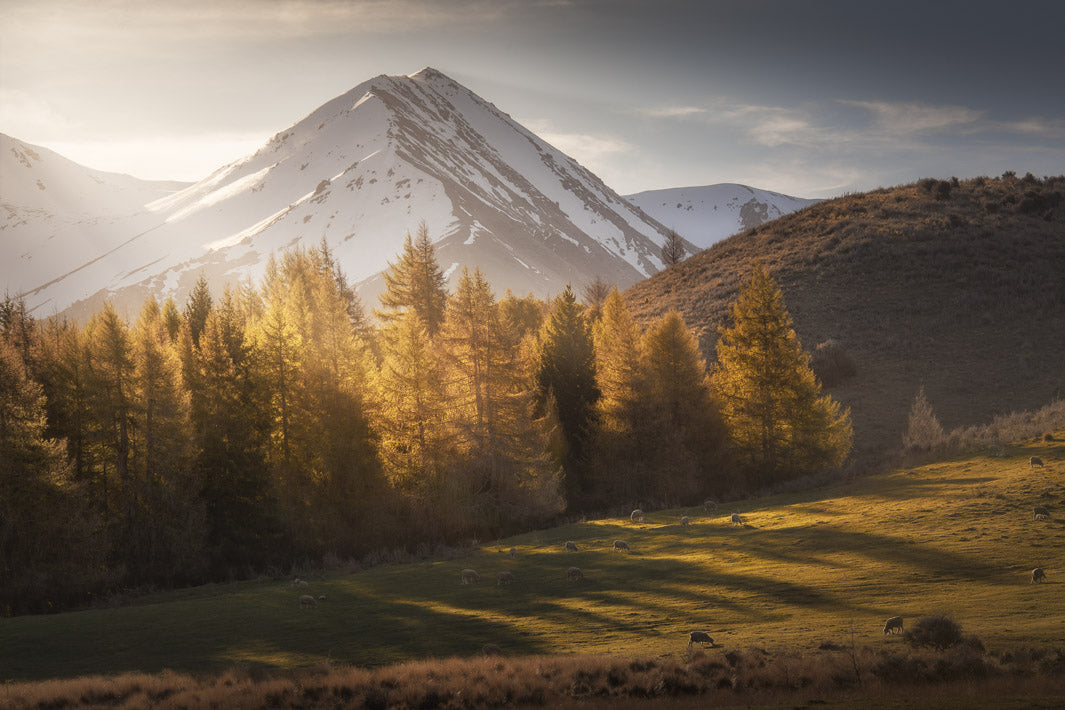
906, 118
588, 149
669, 111
24, 115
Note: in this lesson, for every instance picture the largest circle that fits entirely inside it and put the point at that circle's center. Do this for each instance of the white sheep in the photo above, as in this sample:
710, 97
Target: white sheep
1041, 512
571, 546
574, 574
699, 637
892, 625
307, 600
685, 521
469, 575
620, 545
1038, 575
297, 582
636, 516
736, 519
504, 577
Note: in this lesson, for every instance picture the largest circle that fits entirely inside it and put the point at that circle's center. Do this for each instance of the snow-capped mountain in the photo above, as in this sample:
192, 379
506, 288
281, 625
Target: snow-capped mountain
362, 171
708, 214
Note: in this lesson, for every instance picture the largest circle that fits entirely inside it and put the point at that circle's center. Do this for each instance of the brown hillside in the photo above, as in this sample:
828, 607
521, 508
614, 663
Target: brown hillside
957, 286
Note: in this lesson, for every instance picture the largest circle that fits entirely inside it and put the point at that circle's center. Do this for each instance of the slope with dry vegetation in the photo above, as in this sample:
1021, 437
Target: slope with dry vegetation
955, 285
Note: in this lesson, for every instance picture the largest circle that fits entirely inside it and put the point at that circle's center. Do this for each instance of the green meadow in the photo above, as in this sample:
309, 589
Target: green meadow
954, 536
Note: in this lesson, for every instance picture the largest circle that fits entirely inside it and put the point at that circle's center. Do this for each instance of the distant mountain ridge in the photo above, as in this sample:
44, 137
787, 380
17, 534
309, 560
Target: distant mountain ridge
705, 215
361, 172
957, 286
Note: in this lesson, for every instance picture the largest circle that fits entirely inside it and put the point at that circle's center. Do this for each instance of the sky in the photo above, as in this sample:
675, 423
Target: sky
813, 98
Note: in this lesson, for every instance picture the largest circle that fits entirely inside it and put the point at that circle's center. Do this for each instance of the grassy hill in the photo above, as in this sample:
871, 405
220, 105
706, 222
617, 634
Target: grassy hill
954, 536
959, 287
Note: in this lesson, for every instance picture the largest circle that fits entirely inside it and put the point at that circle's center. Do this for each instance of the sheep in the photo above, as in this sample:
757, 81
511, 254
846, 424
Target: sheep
1038, 575
1041, 512
736, 519
297, 582
504, 577
490, 649
1035, 461
574, 574
1048, 437
892, 625
571, 546
684, 521
469, 575
307, 600
513, 552
321, 597
620, 545
699, 637
709, 505
636, 516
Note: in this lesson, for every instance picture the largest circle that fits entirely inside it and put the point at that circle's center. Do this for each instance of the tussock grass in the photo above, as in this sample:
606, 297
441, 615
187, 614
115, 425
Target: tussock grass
813, 573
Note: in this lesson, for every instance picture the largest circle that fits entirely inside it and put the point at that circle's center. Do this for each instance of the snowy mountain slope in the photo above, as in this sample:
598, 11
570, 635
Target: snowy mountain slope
708, 214
56, 215
362, 171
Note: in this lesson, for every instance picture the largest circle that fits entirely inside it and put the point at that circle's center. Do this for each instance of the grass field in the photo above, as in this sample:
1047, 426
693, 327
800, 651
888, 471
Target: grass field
955, 536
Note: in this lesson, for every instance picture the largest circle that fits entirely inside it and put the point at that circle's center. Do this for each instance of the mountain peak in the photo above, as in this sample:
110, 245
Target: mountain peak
361, 171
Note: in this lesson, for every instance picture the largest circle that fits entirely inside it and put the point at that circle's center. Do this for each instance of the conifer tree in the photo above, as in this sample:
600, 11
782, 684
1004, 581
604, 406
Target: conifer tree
779, 423
620, 461
197, 307
415, 283
923, 431
49, 552
681, 430
566, 371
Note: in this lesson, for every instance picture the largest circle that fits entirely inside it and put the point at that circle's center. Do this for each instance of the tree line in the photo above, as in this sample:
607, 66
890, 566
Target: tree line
280, 422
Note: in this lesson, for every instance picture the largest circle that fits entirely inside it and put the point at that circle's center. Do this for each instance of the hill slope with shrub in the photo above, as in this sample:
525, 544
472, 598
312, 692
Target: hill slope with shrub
955, 285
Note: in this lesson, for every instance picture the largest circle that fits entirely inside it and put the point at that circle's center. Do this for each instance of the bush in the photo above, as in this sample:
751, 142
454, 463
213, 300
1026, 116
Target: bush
832, 363
937, 631
924, 432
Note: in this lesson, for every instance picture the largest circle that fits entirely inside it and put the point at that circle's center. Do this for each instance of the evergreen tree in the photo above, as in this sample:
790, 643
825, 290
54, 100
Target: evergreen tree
622, 467
681, 431
197, 307
415, 283
923, 431
779, 423
566, 370
49, 552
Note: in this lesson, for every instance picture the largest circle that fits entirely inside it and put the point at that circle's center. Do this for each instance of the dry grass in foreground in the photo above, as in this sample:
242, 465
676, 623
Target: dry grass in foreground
964, 676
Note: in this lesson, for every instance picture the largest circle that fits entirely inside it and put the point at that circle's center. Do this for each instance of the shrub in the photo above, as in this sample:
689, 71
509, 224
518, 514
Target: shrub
832, 363
937, 631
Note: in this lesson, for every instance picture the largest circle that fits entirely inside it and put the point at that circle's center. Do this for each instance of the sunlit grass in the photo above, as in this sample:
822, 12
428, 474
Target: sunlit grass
955, 536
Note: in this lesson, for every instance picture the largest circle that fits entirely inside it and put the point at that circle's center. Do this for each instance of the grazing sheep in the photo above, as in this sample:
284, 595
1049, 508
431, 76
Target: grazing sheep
307, 600
685, 521
1048, 437
709, 505
504, 577
297, 582
1038, 575
1035, 461
469, 575
1041, 512
571, 546
699, 637
574, 574
636, 516
490, 649
513, 552
892, 625
321, 597
736, 519
620, 545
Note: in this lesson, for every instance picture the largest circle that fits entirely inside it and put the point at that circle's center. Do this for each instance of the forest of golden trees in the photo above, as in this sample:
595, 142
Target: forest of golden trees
279, 422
